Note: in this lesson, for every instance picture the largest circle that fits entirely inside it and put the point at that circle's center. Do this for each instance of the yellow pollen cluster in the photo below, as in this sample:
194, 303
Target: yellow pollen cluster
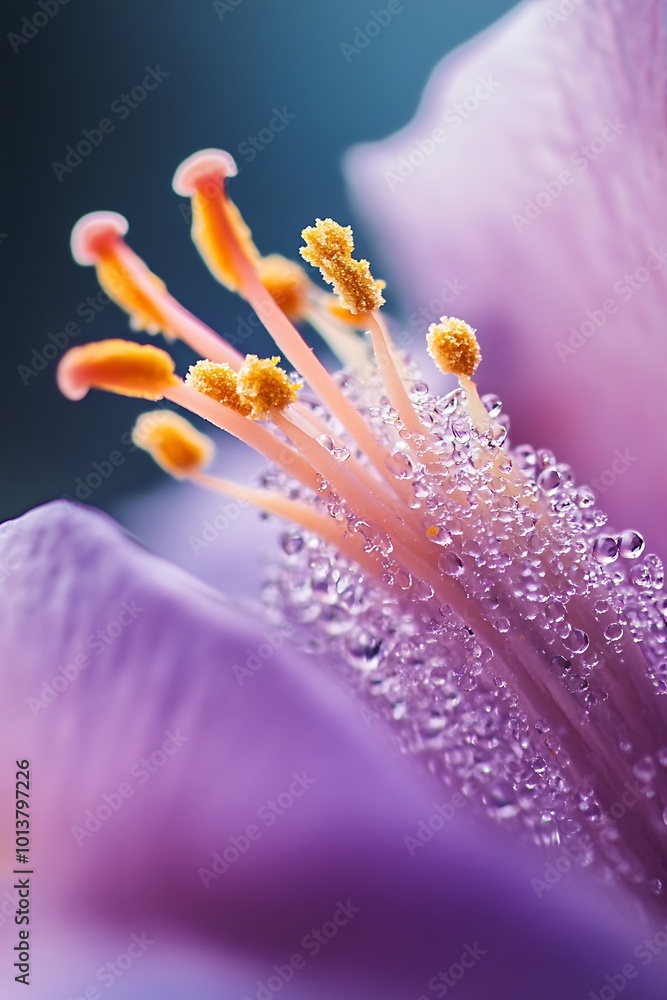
264, 386
220, 382
453, 346
172, 442
329, 246
286, 282
119, 366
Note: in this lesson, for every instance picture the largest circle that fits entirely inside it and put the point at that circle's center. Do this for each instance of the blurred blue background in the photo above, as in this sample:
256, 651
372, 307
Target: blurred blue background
229, 64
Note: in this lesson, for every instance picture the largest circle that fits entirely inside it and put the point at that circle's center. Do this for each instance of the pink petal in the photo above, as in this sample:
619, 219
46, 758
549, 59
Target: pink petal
585, 94
156, 808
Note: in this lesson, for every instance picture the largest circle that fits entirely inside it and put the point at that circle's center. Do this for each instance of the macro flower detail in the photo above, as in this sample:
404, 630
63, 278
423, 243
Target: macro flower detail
470, 590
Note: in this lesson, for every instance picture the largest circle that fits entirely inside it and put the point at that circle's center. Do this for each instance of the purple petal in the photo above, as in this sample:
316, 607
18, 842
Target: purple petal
570, 303
330, 856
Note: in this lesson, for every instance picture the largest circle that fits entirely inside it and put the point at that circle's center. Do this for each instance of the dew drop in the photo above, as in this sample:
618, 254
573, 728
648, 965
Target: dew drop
450, 564
613, 632
605, 549
631, 544
549, 481
292, 542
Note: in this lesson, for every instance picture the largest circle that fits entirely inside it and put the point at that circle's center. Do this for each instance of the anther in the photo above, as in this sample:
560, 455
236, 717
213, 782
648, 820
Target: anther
329, 246
173, 442
118, 366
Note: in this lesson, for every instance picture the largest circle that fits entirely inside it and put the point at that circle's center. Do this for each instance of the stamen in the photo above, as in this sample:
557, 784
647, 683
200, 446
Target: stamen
173, 442
329, 246
202, 178
220, 383
118, 366
97, 238
295, 512
453, 346
287, 283
264, 387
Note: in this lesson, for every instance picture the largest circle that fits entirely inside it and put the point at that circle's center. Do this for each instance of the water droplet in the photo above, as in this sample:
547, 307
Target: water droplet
549, 481
554, 612
577, 641
501, 625
559, 666
631, 544
292, 542
613, 632
605, 549
439, 535
450, 564
492, 404
399, 465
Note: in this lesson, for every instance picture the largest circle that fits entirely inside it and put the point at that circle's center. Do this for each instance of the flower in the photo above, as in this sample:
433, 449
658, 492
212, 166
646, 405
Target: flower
463, 587
191, 834
527, 195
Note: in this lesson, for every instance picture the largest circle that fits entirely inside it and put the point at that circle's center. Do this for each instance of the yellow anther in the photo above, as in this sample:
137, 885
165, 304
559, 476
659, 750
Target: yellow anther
287, 283
172, 442
264, 386
118, 366
329, 246
220, 382
453, 346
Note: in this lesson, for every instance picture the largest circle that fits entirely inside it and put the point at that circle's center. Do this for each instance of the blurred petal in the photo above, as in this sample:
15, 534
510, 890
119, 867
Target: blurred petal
317, 806
557, 119
205, 533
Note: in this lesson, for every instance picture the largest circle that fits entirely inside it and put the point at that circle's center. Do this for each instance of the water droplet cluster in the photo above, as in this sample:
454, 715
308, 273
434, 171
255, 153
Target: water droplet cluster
525, 667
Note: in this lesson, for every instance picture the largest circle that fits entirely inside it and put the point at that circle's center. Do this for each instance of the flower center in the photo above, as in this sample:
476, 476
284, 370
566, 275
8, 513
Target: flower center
466, 587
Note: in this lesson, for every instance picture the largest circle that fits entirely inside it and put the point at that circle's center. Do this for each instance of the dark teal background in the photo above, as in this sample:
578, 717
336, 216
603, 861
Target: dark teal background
226, 75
